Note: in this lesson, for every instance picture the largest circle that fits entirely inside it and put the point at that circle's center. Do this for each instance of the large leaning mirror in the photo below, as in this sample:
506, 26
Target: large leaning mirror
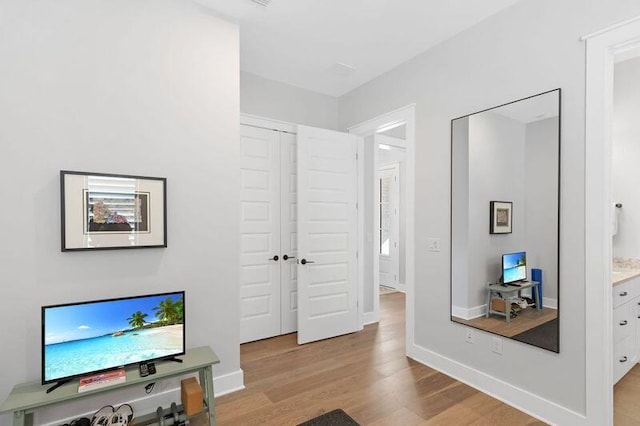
505, 180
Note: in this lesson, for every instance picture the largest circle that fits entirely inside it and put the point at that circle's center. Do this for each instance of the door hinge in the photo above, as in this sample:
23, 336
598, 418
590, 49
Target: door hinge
356, 155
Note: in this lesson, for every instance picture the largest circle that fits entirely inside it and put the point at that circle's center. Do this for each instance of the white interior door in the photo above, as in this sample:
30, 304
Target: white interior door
289, 235
327, 234
389, 225
259, 233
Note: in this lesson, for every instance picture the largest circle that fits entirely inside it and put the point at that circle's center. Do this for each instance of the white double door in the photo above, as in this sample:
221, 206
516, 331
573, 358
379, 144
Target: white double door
298, 233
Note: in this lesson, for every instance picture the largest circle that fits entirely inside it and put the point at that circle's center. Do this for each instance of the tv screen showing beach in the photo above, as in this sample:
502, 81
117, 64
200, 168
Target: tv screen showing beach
514, 267
79, 339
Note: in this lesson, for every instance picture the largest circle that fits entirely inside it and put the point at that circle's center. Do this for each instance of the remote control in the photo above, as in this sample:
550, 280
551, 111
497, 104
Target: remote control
144, 369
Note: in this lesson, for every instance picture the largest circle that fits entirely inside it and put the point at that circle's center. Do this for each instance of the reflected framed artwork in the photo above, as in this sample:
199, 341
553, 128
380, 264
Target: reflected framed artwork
500, 217
109, 211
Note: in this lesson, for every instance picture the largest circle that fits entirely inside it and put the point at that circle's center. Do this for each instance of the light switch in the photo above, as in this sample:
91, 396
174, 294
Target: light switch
433, 244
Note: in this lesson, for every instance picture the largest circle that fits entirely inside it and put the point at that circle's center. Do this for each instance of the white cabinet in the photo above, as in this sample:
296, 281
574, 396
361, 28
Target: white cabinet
626, 327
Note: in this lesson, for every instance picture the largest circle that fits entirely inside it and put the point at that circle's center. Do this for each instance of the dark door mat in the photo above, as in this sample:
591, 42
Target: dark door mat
332, 418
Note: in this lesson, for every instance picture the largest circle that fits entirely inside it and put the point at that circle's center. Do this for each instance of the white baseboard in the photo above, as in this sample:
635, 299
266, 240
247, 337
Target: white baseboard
228, 383
401, 287
370, 318
549, 303
470, 313
164, 393
525, 401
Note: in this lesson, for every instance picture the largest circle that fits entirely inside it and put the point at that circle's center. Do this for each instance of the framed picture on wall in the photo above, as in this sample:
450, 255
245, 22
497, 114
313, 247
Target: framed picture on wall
107, 211
500, 217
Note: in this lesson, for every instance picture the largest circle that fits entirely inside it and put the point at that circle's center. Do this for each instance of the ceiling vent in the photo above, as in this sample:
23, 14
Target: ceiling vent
262, 2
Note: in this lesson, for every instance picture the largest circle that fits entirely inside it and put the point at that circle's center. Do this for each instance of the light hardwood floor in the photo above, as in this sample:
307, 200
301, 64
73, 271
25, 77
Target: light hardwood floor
366, 374
626, 399
526, 320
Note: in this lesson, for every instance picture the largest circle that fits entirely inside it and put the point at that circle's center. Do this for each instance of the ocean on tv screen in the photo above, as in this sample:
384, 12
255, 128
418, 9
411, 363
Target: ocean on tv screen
84, 338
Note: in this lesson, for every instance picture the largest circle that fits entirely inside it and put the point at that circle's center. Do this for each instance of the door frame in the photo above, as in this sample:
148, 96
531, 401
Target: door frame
602, 46
406, 116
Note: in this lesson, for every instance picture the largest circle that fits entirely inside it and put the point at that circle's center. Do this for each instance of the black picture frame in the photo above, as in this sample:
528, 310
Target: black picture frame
102, 211
501, 217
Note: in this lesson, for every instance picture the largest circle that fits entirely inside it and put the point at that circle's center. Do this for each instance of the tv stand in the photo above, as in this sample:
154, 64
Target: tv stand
27, 398
57, 385
510, 293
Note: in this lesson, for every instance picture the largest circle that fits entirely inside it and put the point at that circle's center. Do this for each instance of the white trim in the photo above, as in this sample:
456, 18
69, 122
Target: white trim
228, 383
550, 303
469, 313
376, 223
405, 115
609, 28
363, 317
521, 399
384, 122
267, 123
370, 318
401, 287
601, 48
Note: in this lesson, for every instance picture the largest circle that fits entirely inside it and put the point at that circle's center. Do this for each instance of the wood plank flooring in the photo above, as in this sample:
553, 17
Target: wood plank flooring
366, 374
626, 399
526, 320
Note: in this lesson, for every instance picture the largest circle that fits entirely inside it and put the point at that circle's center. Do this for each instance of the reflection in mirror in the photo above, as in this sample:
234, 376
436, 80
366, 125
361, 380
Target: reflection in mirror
505, 178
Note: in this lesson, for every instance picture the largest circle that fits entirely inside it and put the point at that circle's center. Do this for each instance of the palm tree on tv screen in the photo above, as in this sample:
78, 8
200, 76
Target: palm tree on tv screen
137, 319
169, 312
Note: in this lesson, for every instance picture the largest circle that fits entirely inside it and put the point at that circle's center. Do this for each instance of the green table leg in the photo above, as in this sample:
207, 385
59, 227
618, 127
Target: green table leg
206, 381
19, 418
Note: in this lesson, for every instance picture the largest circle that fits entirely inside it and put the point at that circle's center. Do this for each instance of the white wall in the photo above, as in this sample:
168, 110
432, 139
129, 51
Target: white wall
459, 242
280, 101
496, 173
626, 157
541, 203
528, 48
145, 87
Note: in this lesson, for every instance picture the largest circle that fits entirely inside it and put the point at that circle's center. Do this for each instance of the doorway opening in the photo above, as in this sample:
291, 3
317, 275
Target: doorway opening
603, 48
386, 219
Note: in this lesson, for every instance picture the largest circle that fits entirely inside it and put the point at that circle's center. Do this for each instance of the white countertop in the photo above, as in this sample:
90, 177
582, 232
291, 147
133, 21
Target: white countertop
621, 275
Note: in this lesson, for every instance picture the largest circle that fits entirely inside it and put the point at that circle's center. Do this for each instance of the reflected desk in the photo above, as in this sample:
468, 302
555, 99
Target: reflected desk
510, 293
26, 398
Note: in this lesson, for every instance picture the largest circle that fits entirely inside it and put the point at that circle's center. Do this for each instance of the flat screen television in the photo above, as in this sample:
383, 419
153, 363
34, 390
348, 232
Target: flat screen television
83, 338
514, 267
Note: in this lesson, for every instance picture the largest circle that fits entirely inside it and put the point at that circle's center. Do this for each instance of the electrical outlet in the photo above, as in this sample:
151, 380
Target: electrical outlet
496, 345
433, 244
470, 338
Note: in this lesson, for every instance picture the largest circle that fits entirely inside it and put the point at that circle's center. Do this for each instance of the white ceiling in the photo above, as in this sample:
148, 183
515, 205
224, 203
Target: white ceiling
532, 109
299, 42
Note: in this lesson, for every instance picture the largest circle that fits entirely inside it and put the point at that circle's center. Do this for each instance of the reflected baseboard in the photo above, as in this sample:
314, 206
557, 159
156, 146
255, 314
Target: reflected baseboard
469, 313
549, 303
